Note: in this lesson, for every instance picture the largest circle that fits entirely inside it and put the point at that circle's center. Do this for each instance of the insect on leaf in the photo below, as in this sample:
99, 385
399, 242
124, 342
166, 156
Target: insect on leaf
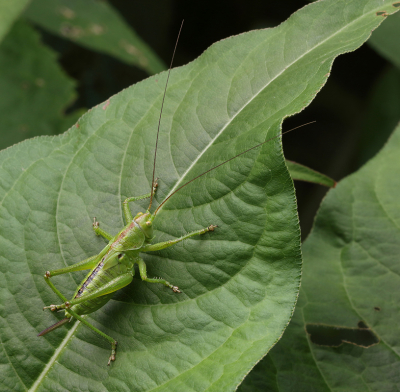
240, 283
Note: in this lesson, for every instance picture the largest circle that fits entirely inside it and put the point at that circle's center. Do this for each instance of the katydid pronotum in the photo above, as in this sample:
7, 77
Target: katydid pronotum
113, 268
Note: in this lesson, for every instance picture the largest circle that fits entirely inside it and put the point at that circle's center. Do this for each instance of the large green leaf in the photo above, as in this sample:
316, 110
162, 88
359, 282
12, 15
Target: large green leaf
351, 275
9, 12
34, 90
239, 283
97, 26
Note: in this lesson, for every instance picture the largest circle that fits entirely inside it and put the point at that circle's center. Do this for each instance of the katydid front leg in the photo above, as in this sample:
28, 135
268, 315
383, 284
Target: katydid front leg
127, 213
125, 204
101, 232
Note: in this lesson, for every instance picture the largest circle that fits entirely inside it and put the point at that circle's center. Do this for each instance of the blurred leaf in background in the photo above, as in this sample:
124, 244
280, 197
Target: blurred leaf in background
35, 92
97, 26
350, 276
34, 89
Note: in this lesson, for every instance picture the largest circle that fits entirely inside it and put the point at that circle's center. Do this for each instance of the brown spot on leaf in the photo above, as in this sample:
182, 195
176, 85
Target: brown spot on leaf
39, 82
70, 31
96, 29
67, 12
129, 48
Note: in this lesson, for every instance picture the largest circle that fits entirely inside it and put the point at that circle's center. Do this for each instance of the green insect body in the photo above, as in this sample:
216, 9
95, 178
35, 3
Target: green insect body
113, 268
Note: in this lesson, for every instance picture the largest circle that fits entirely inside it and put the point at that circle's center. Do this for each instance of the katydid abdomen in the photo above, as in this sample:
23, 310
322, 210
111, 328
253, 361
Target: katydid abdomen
98, 277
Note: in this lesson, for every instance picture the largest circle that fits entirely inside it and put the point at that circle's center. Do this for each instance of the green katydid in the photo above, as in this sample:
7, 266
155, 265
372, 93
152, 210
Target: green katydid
113, 268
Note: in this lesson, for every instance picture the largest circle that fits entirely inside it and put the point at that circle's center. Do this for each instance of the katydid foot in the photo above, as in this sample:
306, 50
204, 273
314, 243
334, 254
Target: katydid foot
113, 352
54, 308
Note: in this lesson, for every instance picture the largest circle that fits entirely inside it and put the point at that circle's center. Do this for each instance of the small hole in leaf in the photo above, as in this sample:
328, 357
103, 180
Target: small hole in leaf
381, 13
332, 336
396, 4
377, 308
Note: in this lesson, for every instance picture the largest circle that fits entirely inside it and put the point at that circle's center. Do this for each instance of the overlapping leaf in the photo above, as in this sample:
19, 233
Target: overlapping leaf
350, 279
97, 26
34, 90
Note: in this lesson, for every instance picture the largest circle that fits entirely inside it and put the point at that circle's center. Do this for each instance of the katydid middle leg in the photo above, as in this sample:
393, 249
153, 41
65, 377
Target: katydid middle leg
163, 245
166, 244
143, 275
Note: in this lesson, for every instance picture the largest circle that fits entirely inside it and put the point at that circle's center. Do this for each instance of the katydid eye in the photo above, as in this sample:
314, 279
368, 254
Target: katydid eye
148, 223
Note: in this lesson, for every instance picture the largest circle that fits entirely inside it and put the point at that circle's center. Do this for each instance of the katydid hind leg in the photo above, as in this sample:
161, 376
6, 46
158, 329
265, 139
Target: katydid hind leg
54, 326
114, 285
105, 336
86, 264
55, 290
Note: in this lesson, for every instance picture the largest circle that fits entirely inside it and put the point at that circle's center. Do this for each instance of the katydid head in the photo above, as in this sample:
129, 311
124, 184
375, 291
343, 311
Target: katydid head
145, 221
